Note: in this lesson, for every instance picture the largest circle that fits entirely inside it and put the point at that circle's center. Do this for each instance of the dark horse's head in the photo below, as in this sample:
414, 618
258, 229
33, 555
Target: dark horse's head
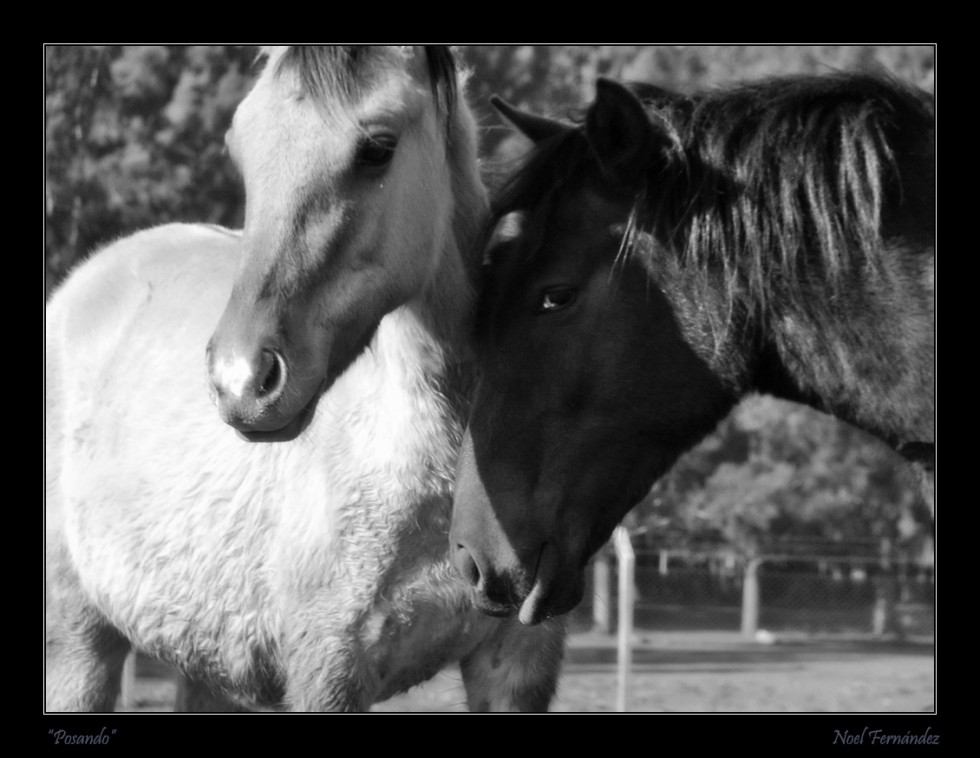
647, 269
568, 326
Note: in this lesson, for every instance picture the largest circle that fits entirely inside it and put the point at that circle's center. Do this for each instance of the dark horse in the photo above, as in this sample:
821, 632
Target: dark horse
653, 265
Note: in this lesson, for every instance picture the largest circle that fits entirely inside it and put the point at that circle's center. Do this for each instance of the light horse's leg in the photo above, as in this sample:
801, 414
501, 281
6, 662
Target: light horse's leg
85, 659
85, 654
193, 697
516, 668
327, 674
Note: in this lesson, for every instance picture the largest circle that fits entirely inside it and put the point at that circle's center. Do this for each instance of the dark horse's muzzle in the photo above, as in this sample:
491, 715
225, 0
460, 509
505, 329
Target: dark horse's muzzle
499, 550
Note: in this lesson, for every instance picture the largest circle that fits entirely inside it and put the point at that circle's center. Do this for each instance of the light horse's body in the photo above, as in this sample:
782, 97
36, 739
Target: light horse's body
310, 572
664, 259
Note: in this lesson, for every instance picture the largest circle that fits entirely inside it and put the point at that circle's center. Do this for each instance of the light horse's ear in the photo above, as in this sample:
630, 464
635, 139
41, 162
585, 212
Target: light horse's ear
625, 139
536, 128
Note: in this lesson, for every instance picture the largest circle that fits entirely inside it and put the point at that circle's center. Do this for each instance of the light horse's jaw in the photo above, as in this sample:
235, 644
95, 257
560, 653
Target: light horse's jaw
349, 185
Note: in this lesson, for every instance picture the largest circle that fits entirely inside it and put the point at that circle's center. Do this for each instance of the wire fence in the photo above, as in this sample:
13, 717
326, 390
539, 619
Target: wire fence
801, 593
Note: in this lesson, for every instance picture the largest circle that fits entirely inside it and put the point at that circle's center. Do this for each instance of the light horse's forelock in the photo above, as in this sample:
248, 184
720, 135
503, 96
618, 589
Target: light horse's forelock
330, 72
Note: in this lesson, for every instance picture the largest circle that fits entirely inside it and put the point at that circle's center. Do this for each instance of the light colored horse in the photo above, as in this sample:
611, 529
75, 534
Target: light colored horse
311, 572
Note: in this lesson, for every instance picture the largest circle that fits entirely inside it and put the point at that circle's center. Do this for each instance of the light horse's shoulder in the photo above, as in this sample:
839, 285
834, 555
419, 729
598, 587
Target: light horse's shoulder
89, 315
111, 271
156, 240
172, 240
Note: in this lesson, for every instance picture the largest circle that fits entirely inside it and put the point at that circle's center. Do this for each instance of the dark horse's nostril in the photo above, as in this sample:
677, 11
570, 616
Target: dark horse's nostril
467, 566
273, 374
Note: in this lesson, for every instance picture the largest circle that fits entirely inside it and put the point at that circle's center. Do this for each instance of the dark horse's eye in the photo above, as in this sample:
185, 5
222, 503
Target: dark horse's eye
555, 298
376, 150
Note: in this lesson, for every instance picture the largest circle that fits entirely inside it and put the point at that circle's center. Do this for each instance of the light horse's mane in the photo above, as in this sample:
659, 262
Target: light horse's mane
326, 70
767, 187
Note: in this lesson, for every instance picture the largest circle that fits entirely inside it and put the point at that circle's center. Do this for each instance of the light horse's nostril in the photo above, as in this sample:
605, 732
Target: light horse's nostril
249, 389
272, 375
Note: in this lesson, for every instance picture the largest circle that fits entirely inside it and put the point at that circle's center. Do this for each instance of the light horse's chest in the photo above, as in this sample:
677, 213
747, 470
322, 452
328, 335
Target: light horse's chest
351, 518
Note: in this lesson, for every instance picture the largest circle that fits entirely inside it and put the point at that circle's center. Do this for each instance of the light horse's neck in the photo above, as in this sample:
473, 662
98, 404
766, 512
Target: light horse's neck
444, 305
413, 372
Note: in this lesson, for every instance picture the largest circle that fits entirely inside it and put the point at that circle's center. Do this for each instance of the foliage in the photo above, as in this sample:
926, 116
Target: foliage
560, 79
780, 475
134, 137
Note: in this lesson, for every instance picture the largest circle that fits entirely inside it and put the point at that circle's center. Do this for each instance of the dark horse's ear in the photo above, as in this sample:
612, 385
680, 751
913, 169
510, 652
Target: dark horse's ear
624, 138
536, 128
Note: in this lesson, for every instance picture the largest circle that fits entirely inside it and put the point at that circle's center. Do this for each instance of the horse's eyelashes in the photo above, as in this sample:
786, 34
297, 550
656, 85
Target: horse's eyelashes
376, 151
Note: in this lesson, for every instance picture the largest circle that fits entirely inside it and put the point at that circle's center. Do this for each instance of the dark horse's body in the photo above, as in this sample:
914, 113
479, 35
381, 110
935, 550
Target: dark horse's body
654, 265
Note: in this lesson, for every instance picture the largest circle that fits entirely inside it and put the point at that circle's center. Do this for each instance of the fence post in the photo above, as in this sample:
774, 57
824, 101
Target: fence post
601, 600
883, 616
127, 692
750, 598
626, 562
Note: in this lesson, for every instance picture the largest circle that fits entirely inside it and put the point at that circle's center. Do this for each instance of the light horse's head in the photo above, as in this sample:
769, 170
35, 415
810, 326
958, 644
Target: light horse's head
354, 161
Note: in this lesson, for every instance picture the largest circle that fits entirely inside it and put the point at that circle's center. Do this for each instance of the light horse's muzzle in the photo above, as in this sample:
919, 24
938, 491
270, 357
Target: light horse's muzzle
262, 385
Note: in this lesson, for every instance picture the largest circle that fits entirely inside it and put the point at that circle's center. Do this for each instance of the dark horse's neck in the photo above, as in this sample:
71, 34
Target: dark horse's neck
843, 294
867, 359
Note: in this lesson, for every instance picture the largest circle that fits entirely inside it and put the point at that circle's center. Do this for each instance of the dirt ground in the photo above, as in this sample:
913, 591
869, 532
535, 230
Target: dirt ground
694, 672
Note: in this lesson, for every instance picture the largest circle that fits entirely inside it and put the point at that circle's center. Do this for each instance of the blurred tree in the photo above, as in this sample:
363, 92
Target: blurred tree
557, 80
76, 84
134, 137
776, 475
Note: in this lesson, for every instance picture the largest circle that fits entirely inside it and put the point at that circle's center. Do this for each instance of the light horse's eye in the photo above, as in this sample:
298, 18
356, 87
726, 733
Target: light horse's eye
376, 150
555, 298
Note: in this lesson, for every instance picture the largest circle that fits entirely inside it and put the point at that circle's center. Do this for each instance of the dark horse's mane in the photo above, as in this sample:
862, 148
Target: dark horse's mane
767, 184
330, 69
